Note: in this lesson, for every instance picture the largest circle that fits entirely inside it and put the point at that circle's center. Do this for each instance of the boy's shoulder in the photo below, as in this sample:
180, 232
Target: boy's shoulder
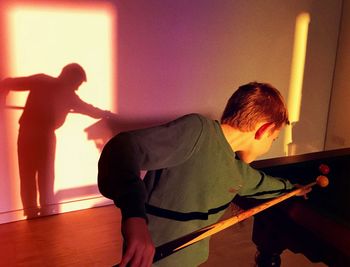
195, 117
196, 120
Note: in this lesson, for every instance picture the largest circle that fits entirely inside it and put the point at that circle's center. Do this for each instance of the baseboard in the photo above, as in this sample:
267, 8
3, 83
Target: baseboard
68, 206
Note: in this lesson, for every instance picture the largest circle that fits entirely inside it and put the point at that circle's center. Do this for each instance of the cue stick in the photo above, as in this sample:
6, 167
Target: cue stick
173, 246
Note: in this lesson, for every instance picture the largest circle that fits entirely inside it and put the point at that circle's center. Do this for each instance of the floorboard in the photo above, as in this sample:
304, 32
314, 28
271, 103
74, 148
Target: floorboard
92, 238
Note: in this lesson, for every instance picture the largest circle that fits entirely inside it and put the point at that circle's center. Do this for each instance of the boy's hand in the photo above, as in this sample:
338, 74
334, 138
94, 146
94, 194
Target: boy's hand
139, 245
304, 192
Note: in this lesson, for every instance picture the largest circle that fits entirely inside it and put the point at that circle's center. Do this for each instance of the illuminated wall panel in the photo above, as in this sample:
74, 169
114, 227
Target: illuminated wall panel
43, 39
296, 78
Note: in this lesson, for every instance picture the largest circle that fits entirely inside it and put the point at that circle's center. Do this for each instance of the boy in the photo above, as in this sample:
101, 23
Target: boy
195, 168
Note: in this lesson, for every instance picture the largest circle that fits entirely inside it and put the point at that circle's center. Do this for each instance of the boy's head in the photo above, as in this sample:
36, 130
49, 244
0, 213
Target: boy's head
257, 109
255, 103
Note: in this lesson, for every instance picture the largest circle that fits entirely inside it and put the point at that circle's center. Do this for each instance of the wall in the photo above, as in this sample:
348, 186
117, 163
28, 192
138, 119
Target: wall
338, 129
309, 133
42, 37
177, 57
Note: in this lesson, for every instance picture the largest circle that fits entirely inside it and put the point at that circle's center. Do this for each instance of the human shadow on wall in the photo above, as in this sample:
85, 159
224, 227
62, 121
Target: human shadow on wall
49, 101
103, 130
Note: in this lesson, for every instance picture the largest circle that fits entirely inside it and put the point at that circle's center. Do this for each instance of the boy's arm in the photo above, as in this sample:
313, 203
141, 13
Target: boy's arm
139, 245
119, 175
257, 184
125, 155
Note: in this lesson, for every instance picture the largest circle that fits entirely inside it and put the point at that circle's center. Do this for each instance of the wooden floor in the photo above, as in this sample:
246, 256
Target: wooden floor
92, 238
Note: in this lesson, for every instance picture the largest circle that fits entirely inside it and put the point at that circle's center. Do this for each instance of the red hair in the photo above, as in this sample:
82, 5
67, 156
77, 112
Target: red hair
253, 103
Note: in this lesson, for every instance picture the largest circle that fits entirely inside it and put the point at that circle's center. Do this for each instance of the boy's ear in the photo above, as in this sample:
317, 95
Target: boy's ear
265, 128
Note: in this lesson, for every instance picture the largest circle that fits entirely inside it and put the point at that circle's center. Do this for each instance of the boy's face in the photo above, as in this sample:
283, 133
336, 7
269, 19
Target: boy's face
259, 147
266, 142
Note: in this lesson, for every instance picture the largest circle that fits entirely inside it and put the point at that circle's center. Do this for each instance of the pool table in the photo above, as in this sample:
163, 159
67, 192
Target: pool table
318, 227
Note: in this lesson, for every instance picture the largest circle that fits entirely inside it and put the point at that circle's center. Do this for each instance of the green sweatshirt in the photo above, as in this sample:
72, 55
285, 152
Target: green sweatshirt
193, 174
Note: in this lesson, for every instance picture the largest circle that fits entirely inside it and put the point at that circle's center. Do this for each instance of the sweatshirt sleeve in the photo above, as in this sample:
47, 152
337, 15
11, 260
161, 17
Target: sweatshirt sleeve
126, 154
259, 185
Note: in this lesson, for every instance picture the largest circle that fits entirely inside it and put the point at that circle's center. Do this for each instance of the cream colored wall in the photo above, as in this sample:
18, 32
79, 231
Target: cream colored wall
177, 57
338, 130
309, 133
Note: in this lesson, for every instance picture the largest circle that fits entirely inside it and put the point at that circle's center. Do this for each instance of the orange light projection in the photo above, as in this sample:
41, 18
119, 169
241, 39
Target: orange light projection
43, 39
297, 76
